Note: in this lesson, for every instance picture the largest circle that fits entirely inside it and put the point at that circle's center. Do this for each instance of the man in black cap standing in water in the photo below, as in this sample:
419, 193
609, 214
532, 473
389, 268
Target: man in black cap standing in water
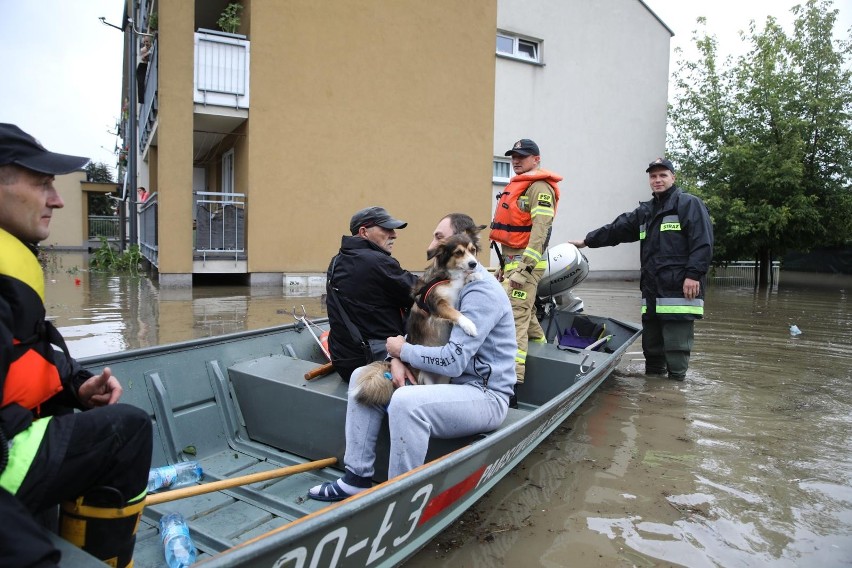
676, 246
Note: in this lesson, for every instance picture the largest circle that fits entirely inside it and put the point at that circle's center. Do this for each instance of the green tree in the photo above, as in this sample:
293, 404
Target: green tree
100, 204
766, 138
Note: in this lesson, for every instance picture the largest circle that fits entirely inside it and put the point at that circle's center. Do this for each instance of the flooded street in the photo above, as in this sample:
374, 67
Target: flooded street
746, 463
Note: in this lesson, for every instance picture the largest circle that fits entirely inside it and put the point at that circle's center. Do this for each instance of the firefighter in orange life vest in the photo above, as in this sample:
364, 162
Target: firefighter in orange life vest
522, 225
94, 463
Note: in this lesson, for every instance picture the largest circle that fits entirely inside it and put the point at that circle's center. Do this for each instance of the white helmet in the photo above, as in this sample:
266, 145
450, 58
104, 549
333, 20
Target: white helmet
566, 268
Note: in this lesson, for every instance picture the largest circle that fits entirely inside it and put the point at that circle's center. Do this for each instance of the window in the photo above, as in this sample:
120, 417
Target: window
501, 171
519, 48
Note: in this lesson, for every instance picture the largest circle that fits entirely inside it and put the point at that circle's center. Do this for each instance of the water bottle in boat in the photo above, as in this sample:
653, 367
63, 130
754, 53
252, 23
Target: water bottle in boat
177, 544
170, 476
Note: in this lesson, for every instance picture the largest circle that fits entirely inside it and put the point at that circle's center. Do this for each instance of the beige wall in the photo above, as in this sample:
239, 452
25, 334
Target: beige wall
360, 103
69, 226
174, 156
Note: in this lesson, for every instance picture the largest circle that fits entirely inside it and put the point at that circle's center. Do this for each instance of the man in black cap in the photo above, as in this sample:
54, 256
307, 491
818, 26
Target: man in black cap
367, 287
94, 463
522, 225
676, 247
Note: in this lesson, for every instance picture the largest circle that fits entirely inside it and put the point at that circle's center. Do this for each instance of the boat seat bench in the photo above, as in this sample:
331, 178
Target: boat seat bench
275, 400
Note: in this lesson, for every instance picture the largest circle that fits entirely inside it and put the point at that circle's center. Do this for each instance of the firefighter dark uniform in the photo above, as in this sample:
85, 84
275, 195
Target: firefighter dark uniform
676, 242
522, 225
94, 463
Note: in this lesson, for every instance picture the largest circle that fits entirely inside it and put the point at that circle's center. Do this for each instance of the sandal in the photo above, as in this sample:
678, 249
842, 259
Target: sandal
332, 491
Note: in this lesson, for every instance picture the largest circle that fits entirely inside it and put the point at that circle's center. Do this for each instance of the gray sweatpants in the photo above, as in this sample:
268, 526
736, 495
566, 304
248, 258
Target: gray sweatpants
414, 414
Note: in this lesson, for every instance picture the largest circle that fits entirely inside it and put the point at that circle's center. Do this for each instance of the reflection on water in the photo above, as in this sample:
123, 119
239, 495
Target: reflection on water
746, 463
101, 313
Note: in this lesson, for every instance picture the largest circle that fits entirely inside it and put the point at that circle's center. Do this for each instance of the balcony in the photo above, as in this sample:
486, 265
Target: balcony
221, 69
220, 232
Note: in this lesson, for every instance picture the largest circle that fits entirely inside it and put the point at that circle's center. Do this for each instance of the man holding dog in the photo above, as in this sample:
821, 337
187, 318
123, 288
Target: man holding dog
676, 247
476, 399
522, 226
94, 463
369, 285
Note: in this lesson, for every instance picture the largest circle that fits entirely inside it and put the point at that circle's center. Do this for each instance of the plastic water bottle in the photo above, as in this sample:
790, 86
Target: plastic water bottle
794, 330
177, 544
170, 476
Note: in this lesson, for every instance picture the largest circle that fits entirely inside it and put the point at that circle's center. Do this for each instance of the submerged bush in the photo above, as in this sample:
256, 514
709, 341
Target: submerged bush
105, 259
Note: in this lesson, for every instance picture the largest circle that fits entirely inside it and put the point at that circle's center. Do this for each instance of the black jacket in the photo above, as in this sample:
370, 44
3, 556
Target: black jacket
375, 292
676, 243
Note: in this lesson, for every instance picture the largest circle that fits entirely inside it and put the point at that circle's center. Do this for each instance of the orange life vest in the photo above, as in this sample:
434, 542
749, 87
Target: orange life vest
32, 377
512, 225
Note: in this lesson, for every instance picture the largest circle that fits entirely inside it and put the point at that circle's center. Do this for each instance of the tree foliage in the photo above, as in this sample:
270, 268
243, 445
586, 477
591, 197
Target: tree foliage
766, 138
99, 204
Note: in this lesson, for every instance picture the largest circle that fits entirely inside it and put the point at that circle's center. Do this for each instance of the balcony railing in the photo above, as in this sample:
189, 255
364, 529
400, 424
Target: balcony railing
220, 225
221, 69
148, 242
149, 102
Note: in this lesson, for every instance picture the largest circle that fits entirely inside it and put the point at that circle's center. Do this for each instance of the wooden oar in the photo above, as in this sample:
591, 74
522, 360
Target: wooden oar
319, 371
194, 490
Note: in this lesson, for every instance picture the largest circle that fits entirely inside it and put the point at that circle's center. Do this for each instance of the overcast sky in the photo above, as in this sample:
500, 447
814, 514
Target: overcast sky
61, 66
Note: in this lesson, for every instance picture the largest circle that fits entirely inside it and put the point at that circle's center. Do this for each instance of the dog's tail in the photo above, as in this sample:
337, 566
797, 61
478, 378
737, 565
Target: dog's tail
372, 387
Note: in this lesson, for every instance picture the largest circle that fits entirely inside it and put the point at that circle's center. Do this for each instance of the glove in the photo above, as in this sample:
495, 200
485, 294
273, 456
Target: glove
519, 277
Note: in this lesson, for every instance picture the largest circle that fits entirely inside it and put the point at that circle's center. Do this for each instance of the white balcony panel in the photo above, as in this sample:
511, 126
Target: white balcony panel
221, 70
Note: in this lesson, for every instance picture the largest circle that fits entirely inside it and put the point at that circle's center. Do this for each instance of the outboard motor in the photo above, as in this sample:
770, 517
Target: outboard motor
566, 268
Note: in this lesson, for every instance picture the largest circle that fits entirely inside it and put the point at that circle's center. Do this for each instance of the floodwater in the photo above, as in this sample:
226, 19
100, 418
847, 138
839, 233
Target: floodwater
746, 463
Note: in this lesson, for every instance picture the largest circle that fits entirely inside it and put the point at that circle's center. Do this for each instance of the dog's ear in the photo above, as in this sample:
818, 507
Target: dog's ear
430, 254
473, 233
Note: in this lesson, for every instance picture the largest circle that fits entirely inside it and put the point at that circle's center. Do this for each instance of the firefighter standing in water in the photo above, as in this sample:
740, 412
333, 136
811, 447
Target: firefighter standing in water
522, 226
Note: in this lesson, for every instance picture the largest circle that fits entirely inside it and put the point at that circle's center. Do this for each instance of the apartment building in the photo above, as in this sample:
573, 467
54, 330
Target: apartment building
258, 144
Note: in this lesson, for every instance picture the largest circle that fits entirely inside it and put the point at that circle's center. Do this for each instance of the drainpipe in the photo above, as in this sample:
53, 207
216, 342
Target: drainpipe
131, 150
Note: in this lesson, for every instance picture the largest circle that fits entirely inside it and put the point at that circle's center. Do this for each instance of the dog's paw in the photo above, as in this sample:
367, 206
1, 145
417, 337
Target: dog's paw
467, 326
472, 277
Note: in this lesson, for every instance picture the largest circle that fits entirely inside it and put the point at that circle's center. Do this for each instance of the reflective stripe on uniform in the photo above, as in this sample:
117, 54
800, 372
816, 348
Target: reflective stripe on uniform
543, 211
643, 228
677, 306
521, 357
533, 254
670, 223
22, 452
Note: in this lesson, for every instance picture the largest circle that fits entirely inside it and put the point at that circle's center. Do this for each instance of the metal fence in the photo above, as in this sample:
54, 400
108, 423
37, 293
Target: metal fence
740, 273
104, 226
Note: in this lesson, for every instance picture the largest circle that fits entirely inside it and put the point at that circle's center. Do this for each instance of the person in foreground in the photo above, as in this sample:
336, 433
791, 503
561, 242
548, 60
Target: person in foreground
369, 285
95, 463
522, 225
676, 247
482, 371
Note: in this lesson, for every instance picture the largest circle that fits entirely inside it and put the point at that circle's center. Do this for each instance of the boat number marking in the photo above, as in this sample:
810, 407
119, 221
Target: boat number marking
301, 557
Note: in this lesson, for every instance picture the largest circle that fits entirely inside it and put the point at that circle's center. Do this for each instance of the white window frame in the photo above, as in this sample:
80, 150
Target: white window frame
228, 171
517, 42
495, 169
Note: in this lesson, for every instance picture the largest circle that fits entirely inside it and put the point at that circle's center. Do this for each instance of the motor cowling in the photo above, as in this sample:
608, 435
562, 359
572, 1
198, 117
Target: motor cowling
566, 268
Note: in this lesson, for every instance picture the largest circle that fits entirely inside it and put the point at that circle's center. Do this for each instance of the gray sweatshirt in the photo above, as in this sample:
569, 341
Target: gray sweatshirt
488, 358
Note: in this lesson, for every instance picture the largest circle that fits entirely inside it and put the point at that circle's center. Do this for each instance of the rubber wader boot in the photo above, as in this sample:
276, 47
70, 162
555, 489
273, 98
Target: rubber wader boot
107, 533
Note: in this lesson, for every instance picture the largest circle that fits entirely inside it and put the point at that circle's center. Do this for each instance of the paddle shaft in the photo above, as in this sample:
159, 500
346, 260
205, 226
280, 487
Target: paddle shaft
194, 490
319, 371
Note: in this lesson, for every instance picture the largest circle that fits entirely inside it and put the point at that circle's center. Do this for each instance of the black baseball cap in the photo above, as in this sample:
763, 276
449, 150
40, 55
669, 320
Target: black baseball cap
524, 147
19, 148
661, 162
374, 216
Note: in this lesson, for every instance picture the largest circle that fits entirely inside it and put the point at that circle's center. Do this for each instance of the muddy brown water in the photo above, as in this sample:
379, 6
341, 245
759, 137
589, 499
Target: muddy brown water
746, 463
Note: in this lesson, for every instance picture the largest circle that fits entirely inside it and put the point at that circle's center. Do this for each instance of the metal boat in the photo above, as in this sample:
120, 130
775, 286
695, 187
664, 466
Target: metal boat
239, 404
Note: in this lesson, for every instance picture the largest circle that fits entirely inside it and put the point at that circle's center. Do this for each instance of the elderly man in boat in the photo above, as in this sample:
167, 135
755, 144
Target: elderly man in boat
482, 371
